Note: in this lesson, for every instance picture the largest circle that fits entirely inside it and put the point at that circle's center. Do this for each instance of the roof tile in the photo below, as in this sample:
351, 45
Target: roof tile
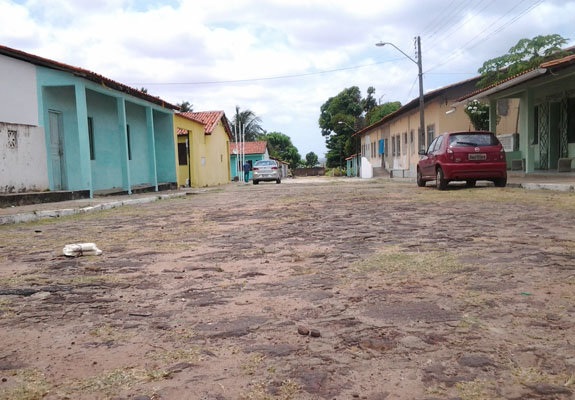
250, 147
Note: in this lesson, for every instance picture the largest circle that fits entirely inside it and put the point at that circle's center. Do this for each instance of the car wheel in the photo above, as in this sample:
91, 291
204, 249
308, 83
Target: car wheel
440, 181
420, 181
256, 182
278, 181
502, 182
470, 183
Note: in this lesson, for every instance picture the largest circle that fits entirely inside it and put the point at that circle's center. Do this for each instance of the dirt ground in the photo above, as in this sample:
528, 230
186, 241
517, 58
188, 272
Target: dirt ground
314, 289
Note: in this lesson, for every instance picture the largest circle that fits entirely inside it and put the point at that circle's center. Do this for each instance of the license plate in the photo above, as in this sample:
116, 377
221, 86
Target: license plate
477, 156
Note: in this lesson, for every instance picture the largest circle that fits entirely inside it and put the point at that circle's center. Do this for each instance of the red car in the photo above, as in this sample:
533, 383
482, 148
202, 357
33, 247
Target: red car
463, 156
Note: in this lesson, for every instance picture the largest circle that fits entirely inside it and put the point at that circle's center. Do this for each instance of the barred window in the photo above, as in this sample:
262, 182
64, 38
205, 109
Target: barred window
12, 139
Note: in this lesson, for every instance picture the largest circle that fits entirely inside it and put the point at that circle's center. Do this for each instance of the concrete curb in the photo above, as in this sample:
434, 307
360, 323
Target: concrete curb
66, 212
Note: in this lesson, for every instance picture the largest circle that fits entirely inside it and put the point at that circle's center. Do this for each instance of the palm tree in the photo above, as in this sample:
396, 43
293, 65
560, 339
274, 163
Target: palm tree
250, 122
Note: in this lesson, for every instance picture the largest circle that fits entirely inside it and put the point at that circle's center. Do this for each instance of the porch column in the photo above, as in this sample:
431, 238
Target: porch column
151, 147
493, 116
123, 132
83, 139
527, 129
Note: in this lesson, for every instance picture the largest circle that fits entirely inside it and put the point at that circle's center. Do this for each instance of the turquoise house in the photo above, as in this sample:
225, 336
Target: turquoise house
254, 151
353, 165
98, 134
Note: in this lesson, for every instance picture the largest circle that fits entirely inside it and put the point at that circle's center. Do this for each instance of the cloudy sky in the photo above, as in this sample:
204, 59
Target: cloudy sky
279, 58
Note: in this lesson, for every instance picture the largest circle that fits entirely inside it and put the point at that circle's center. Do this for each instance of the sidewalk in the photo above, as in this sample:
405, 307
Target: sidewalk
35, 212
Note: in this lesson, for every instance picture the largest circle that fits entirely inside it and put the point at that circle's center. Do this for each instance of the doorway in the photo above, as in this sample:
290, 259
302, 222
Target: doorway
57, 150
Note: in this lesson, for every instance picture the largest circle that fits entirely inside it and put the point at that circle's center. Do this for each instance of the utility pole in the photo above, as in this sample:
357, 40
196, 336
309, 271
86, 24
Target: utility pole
421, 105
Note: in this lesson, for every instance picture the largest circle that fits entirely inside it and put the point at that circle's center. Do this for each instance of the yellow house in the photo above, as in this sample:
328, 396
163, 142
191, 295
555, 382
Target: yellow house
203, 143
391, 145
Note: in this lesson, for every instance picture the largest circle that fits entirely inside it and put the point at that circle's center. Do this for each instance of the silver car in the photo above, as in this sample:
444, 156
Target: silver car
266, 170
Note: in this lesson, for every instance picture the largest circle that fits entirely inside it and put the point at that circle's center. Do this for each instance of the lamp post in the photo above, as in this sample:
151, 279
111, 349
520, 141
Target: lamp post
418, 62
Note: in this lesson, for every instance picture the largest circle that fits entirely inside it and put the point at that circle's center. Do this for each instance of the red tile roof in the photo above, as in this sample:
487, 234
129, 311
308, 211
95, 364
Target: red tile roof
210, 120
556, 64
250, 147
83, 73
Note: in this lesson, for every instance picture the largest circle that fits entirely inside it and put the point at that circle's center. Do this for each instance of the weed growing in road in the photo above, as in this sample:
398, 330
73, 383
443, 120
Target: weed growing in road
287, 391
32, 386
531, 375
474, 390
108, 333
253, 363
390, 260
112, 382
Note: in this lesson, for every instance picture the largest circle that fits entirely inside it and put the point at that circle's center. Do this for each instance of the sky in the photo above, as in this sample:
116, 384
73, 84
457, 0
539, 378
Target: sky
281, 59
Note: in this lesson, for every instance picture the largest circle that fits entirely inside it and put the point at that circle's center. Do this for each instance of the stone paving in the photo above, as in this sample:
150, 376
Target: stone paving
315, 289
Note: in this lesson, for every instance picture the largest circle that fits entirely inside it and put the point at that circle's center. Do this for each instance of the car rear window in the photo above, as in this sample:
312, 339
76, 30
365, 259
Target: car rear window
263, 163
473, 139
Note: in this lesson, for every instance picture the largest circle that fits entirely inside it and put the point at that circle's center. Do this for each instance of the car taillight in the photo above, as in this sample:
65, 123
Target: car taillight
450, 154
274, 167
256, 169
502, 154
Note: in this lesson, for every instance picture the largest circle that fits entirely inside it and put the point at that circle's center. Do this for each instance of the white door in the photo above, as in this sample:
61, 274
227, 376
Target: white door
56, 150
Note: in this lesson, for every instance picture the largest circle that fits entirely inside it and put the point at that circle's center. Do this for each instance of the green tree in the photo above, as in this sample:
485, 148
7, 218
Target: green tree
347, 108
369, 102
380, 111
478, 114
311, 159
186, 106
250, 122
526, 54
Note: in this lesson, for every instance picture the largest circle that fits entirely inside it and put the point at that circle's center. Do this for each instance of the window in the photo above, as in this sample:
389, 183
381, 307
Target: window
398, 138
535, 125
405, 142
571, 120
393, 146
438, 143
411, 136
431, 147
12, 139
473, 140
129, 144
373, 150
91, 137
386, 148
182, 154
430, 133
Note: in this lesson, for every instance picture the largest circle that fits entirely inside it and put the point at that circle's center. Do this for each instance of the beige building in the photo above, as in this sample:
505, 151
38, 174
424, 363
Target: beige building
391, 145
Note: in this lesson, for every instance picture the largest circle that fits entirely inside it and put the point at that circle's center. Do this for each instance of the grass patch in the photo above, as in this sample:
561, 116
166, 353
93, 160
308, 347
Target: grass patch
287, 391
112, 382
108, 333
32, 385
253, 363
551, 199
393, 259
474, 390
526, 376
192, 355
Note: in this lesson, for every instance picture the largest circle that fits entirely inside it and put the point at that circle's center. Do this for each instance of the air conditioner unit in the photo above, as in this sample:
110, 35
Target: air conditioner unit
509, 141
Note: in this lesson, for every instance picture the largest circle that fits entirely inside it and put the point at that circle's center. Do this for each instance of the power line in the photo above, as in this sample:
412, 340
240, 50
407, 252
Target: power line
449, 32
266, 78
437, 18
480, 39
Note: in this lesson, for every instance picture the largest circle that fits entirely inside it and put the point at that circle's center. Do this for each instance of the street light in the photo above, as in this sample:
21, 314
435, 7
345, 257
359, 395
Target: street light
418, 62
